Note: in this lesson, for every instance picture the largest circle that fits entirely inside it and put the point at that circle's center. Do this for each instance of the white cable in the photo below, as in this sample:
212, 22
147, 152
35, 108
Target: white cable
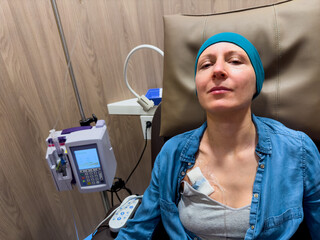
142, 100
123, 203
128, 57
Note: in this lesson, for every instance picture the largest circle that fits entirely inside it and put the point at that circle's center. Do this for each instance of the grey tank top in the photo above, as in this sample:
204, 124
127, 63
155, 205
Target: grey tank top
209, 219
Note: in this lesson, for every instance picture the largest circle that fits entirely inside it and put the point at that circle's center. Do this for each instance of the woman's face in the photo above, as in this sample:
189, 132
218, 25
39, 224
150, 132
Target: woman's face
225, 78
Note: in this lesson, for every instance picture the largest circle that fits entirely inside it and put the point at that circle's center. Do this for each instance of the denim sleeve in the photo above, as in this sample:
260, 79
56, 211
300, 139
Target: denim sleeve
311, 165
147, 216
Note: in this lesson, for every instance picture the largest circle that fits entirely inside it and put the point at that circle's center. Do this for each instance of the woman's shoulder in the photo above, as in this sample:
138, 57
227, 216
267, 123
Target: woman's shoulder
177, 149
278, 128
179, 141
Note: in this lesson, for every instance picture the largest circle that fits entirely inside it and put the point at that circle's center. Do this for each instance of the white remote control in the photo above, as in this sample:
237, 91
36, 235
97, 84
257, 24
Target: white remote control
121, 216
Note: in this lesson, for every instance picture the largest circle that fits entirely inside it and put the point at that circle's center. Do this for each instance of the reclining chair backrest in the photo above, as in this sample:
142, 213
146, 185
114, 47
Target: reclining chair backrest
287, 36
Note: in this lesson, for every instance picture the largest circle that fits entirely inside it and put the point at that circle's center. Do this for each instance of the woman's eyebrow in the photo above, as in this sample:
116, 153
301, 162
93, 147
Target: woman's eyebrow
240, 54
206, 55
230, 53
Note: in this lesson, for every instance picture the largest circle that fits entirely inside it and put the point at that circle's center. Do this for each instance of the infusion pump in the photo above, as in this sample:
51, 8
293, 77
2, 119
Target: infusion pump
81, 155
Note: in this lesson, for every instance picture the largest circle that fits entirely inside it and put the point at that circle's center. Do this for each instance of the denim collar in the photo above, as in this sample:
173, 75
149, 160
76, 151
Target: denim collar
192, 144
264, 141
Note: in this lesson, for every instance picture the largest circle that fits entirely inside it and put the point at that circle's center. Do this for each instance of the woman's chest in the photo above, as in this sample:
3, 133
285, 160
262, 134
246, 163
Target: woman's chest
231, 179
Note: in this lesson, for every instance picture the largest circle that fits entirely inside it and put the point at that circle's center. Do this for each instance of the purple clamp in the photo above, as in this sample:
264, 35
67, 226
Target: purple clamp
75, 129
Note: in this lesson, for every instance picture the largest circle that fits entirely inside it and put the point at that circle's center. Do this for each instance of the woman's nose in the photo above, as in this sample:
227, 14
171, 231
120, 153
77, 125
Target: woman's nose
219, 71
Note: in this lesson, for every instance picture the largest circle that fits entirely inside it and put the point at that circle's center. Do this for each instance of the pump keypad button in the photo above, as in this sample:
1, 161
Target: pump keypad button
92, 176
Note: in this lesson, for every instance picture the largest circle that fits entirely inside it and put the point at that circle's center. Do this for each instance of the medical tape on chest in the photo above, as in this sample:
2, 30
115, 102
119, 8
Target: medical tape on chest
199, 182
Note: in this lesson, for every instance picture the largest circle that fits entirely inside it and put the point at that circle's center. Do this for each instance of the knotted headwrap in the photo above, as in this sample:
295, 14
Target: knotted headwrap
246, 46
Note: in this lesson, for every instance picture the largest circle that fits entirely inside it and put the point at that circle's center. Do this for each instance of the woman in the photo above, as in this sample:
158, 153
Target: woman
238, 176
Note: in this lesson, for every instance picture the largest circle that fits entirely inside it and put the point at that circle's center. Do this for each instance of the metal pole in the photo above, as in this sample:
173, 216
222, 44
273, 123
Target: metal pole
105, 200
66, 52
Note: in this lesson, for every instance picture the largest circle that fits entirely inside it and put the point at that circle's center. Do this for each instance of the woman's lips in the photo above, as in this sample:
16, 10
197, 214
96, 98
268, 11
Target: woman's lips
219, 90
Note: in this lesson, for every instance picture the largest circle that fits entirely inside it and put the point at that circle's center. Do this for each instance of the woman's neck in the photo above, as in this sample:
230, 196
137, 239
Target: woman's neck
230, 132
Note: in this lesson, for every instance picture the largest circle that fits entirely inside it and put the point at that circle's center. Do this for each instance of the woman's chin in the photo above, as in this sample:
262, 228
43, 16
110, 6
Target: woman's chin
224, 108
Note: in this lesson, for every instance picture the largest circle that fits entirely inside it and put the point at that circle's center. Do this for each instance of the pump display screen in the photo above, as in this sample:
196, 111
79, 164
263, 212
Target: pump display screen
87, 158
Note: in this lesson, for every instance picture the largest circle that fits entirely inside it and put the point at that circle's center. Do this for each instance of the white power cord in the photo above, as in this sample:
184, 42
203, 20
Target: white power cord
142, 100
127, 199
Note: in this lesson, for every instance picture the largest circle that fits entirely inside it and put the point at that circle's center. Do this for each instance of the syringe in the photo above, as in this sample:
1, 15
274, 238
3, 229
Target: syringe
61, 162
56, 142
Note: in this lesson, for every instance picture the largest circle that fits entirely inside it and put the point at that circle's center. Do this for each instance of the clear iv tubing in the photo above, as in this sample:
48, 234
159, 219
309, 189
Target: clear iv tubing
127, 59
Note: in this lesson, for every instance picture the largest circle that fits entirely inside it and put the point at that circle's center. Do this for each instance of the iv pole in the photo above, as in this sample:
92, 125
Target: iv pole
84, 121
67, 56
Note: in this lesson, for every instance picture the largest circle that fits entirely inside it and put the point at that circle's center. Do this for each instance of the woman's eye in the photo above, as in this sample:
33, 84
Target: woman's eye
205, 65
235, 61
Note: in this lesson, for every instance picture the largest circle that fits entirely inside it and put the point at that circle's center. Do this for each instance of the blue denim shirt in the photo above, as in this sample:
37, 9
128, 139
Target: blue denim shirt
286, 187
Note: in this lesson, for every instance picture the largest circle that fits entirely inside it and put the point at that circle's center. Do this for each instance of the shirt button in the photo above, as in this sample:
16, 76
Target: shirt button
252, 227
189, 163
256, 195
262, 166
183, 173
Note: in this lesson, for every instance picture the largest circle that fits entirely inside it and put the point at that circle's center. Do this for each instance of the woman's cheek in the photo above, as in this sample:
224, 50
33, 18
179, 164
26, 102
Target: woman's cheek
200, 85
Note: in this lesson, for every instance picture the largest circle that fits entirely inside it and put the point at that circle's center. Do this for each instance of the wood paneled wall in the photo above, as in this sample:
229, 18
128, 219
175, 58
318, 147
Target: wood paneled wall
36, 95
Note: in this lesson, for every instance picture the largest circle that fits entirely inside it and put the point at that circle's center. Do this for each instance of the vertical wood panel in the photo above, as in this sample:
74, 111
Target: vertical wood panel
30, 104
36, 95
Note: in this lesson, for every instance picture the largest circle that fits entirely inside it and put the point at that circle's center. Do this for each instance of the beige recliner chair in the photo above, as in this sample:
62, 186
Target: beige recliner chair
287, 36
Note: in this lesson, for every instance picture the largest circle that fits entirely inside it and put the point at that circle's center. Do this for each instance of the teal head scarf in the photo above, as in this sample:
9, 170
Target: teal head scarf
246, 46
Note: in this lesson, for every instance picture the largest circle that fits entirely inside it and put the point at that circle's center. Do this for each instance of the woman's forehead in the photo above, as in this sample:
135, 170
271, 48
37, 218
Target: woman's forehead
223, 47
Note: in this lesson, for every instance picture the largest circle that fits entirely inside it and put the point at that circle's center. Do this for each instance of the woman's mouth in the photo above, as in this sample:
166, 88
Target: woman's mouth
219, 90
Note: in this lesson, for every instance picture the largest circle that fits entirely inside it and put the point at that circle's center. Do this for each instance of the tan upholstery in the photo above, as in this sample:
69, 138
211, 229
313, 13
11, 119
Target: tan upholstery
287, 36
